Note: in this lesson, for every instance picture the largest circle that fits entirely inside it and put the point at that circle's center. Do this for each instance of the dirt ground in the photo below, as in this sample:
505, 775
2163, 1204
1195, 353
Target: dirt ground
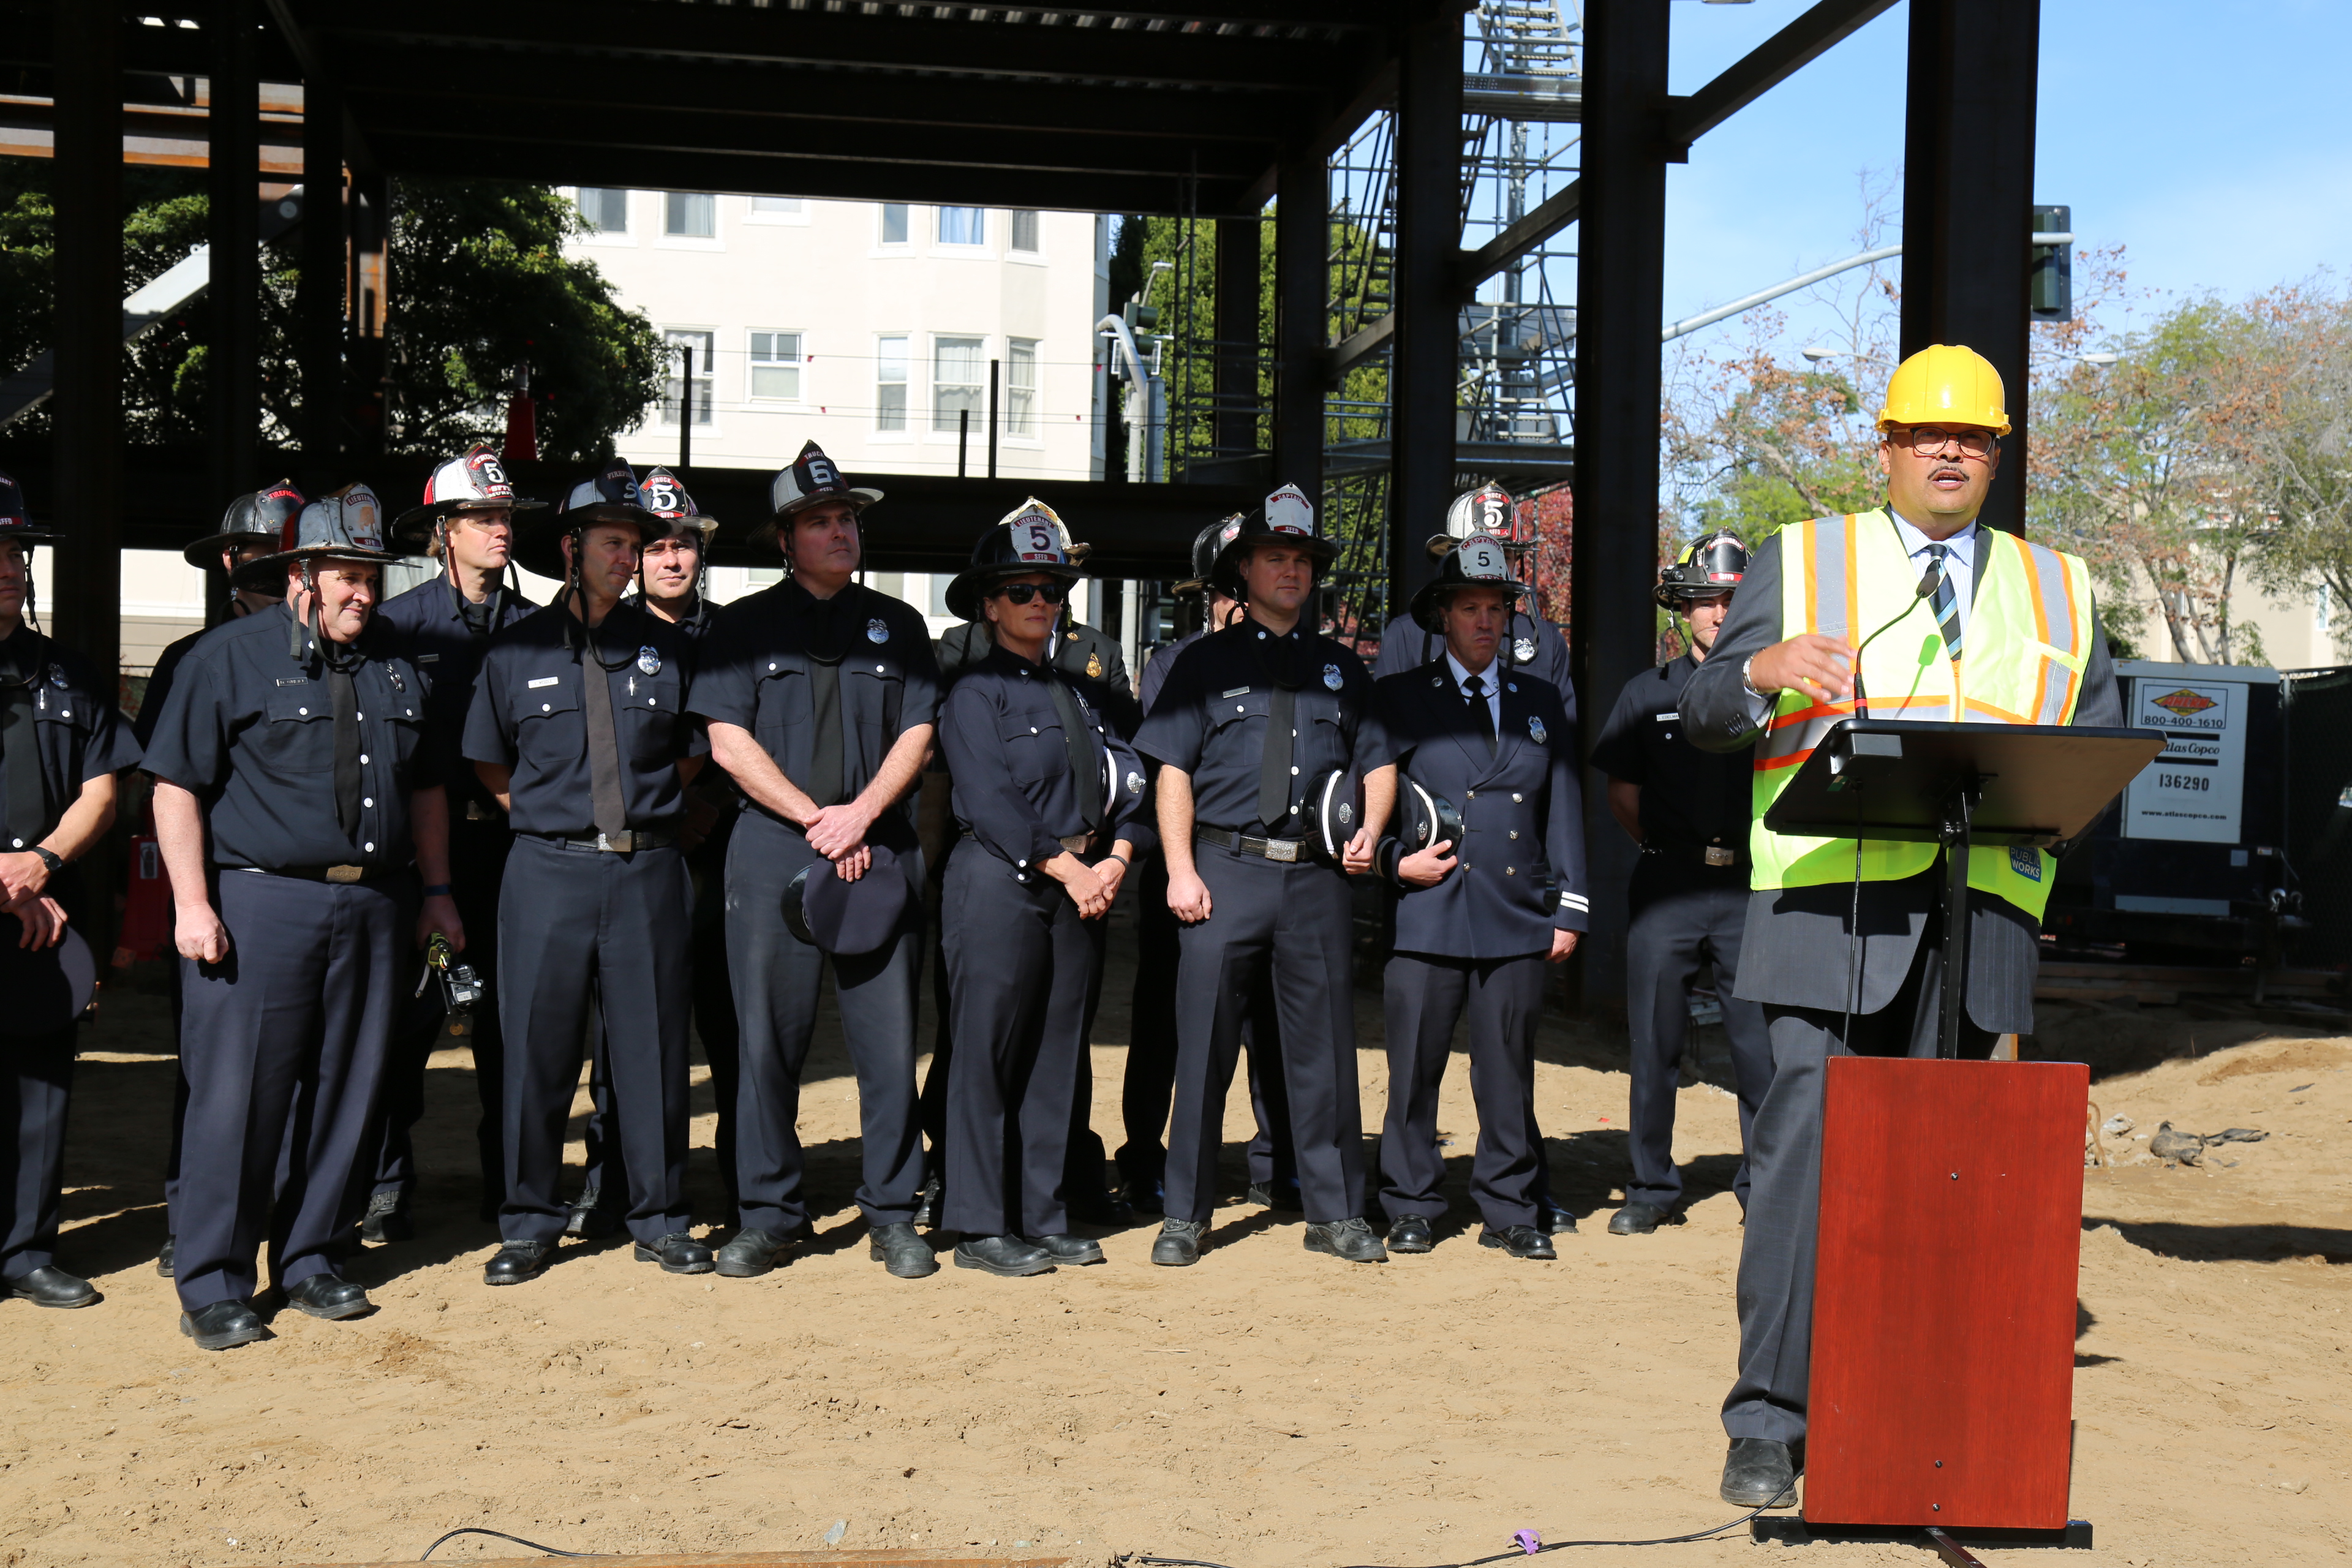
1268, 1407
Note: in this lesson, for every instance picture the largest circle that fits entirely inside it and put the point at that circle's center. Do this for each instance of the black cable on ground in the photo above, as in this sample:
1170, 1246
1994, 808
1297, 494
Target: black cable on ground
502, 1535
1139, 1562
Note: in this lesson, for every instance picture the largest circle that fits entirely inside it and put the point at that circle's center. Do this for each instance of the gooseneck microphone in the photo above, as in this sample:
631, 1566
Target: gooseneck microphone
1927, 588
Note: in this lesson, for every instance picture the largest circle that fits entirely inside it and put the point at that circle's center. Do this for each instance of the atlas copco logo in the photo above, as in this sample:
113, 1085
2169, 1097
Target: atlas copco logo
2184, 702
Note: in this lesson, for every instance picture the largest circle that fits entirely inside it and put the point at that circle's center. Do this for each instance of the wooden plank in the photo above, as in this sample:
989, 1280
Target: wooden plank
1944, 1296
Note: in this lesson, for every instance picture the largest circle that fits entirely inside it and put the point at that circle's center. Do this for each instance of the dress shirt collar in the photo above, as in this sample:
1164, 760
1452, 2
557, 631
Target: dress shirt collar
1962, 545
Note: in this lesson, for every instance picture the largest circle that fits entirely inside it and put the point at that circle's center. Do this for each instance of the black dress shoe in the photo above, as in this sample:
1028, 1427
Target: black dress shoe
927, 1210
164, 1259
1006, 1254
1100, 1206
387, 1218
329, 1297
1145, 1194
678, 1253
50, 1286
1410, 1233
752, 1253
1556, 1221
223, 1325
1760, 1473
1282, 1194
1076, 1249
1179, 1243
1351, 1239
516, 1261
1520, 1241
901, 1251
1636, 1218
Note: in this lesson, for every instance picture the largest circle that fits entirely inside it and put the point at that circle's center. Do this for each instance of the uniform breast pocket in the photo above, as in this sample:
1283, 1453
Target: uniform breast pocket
656, 713
783, 703
872, 691
298, 736
1033, 753
547, 719
1232, 716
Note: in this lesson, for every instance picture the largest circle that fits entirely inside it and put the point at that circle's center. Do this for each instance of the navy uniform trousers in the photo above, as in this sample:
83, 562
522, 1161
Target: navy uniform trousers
1784, 1157
478, 866
1024, 972
1503, 1000
579, 925
34, 1086
284, 1046
1680, 919
776, 976
1286, 930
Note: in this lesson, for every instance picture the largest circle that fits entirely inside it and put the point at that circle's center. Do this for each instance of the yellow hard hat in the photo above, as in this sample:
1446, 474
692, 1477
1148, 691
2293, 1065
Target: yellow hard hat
1946, 383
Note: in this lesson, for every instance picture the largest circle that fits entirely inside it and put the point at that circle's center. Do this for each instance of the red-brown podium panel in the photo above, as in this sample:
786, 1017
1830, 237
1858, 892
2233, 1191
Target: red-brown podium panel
1942, 1368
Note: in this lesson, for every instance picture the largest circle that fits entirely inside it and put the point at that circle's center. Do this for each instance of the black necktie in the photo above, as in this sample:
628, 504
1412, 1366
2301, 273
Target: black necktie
1273, 768
1476, 690
1947, 602
824, 786
347, 747
604, 744
1080, 738
26, 801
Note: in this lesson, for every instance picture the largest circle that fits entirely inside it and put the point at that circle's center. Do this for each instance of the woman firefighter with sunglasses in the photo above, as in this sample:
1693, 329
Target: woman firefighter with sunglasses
1053, 796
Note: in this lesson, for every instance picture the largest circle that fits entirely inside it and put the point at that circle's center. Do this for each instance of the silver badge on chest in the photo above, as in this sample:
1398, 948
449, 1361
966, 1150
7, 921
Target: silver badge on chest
877, 630
1332, 679
649, 659
392, 673
1524, 650
58, 676
1135, 783
1535, 728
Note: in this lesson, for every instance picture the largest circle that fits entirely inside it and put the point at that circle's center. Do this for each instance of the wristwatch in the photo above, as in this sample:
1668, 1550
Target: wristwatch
49, 858
1748, 685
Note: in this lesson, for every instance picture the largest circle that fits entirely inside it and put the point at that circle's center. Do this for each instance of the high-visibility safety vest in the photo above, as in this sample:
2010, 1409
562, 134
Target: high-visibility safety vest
2029, 636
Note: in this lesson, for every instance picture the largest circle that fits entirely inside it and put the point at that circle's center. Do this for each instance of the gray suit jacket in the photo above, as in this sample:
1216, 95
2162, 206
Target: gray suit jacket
1795, 951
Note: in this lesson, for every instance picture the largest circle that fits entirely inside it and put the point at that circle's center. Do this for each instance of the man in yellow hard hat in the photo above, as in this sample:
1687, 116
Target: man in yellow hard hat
1872, 613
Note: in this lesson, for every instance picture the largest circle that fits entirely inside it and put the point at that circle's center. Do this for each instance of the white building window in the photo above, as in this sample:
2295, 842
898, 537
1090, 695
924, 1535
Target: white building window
894, 223
690, 214
607, 210
890, 384
776, 366
674, 387
964, 226
1021, 387
959, 382
1025, 230
778, 206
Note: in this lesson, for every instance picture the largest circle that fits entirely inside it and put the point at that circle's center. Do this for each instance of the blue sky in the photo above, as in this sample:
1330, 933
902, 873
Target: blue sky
2208, 139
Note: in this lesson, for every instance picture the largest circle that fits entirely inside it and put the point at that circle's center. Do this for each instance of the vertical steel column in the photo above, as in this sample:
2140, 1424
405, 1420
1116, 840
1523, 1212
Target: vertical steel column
326, 264
1619, 297
1302, 292
85, 485
1426, 367
233, 358
1235, 329
1968, 198
371, 276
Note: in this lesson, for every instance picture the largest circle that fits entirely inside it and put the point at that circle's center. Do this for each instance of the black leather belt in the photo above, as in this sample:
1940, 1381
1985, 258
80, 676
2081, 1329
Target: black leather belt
629, 843
1715, 857
1284, 850
337, 874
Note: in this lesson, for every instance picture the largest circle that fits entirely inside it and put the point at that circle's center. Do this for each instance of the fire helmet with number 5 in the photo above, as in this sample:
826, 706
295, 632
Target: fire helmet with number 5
662, 494
805, 481
1488, 510
1289, 519
1029, 539
1478, 561
474, 481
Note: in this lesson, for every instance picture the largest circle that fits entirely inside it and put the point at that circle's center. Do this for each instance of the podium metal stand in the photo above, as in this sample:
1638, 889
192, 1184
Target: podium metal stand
1950, 1219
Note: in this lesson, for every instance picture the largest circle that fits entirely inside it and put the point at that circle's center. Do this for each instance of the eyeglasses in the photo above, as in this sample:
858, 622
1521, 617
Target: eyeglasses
1022, 592
1927, 441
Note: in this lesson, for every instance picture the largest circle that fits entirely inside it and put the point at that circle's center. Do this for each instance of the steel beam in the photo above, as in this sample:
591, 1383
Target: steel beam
1621, 293
1967, 202
233, 356
319, 301
1427, 360
1302, 282
85, 495
1767, 65
1554, 213
1236, 329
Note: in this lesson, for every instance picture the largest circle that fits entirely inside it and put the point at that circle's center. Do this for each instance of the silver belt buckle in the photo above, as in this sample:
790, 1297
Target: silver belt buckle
623, 845
1283, 849
1719, 856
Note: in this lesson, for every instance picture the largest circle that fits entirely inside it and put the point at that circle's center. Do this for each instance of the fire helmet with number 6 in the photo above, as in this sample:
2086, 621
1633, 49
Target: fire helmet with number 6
1029, 540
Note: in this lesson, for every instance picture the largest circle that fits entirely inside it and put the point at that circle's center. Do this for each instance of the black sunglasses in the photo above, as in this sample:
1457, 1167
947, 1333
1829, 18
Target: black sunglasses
1022, 592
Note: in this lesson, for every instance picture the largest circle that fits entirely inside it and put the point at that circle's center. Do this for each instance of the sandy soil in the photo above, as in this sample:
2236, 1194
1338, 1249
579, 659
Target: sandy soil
1267, 1407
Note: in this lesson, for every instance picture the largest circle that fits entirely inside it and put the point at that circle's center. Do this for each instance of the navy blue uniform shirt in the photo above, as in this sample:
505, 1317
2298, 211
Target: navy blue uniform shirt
1690, 799
77, 732
1002, 734
1089, 657
249, 730
753, 672
1156, 669
431, 628
1533, 646
1210, 718
529, 715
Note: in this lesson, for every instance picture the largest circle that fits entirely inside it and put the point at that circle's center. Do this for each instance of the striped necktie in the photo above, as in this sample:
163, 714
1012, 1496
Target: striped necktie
1946, 601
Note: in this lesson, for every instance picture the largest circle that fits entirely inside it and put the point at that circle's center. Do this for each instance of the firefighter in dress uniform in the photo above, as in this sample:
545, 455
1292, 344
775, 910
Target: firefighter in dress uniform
1252, 721
466, 523
62, 742
1050, 796
821, 695
294, 784
1688, 902
579, 726
1485, 909
1532, 644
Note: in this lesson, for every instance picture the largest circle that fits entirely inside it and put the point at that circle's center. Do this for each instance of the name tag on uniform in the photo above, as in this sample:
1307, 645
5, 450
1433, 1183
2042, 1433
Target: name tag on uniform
1236, 691
428, 659
546, 680
1666, 717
